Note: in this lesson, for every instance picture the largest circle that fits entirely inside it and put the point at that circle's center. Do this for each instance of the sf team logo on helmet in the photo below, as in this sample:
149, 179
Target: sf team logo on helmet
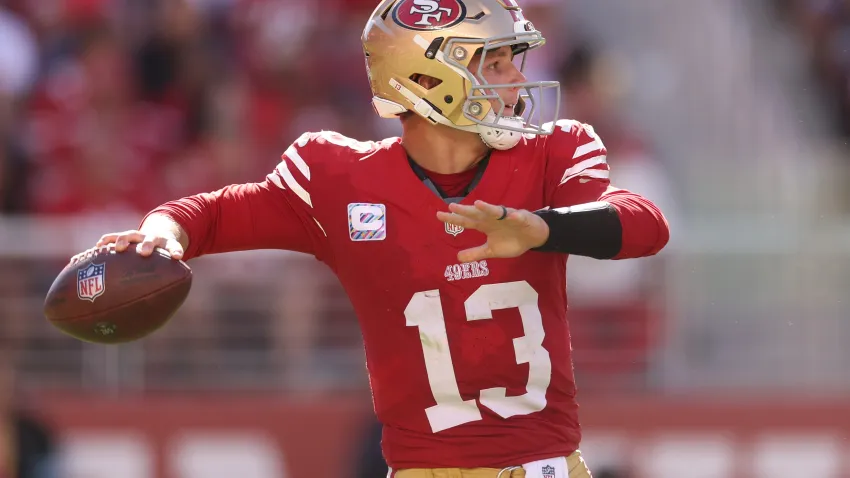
429, 14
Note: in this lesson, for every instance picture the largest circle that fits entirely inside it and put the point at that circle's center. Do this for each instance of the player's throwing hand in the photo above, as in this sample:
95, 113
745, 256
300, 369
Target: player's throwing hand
510, 232
146, 243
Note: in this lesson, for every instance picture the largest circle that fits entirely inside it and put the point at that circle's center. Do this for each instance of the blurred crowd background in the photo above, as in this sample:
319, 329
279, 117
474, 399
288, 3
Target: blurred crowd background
733, 116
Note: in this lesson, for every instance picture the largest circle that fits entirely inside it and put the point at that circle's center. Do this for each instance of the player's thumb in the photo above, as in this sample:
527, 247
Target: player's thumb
474, 254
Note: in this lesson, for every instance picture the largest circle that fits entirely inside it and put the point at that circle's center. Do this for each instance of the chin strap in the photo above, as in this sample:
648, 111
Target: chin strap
492, 136
498, 138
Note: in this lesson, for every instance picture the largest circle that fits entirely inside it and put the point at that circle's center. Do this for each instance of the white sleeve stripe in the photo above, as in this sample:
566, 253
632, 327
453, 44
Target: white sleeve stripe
293, 185
320, 227
276, 180
587, 163
588, 148
589, 173
298, 161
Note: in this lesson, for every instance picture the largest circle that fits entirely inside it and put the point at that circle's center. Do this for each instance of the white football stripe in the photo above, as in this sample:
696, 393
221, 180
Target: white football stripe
589, 173
590, 147
293, 184
581, 166
298, 161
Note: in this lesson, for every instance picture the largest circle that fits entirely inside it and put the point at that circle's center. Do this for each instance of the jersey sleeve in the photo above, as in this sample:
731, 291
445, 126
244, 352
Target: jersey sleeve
577, 166
578, 173
276, 213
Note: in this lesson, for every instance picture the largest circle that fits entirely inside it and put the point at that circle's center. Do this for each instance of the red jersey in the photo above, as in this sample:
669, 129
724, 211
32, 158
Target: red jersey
469, 364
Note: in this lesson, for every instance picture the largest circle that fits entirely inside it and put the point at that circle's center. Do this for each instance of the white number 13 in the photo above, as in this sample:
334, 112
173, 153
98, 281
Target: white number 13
425, 311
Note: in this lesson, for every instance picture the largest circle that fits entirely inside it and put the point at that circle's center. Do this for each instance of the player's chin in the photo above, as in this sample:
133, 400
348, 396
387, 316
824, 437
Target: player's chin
508, 110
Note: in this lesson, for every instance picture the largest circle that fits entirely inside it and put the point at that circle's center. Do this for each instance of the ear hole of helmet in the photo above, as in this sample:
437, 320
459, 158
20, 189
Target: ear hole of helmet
425, 81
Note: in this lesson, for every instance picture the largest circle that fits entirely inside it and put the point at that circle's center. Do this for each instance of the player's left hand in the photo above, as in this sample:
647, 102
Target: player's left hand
510, 232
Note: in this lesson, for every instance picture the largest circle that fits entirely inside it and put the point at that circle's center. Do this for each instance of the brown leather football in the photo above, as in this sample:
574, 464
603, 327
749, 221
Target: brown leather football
110, 297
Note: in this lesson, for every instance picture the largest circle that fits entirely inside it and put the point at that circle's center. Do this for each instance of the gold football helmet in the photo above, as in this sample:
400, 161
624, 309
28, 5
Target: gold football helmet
405, 39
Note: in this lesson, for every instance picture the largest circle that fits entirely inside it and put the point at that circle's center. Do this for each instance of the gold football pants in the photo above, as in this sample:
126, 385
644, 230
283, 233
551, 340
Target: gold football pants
575, 463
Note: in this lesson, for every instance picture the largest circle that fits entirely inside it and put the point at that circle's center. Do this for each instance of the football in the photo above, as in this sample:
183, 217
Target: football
108, 297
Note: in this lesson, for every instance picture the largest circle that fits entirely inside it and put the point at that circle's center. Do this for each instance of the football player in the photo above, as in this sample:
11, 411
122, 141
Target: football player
451, 241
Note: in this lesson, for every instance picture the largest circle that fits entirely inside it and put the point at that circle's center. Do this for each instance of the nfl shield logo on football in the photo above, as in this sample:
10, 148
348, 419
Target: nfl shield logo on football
91, 282
453, 230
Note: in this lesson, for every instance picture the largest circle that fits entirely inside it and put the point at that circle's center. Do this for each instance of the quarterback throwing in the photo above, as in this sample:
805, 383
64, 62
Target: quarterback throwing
475, 207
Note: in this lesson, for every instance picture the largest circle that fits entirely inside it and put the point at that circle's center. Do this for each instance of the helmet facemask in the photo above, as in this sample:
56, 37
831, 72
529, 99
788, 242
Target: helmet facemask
499, 128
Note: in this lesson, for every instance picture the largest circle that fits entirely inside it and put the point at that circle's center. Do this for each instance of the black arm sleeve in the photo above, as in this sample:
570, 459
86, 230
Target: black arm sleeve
592, 230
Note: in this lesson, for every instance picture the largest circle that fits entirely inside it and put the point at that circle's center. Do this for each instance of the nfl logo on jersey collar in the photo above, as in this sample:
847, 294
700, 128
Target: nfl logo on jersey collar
367, 222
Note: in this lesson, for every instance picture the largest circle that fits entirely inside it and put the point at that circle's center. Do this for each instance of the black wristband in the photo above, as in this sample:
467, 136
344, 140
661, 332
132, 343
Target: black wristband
592, 230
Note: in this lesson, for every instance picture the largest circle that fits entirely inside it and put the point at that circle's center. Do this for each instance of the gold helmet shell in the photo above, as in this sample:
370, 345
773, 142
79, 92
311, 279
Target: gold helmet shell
405, 39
